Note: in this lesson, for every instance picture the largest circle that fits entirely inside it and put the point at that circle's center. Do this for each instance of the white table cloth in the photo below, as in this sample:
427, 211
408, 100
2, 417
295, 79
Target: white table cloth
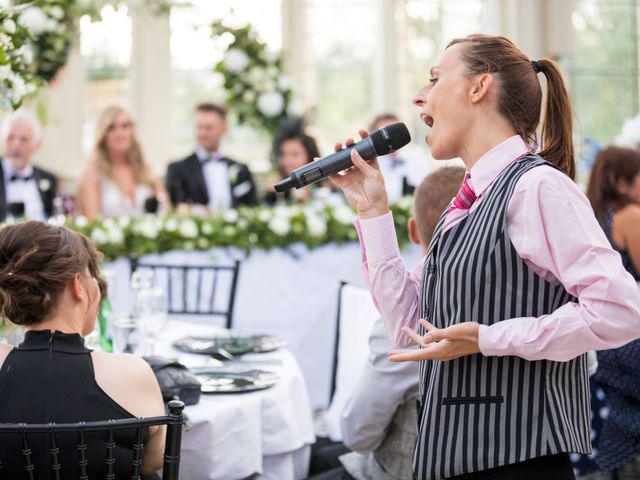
292, 294
233, 436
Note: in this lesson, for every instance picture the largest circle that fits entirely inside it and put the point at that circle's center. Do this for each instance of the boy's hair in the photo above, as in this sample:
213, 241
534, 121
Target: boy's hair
431, 198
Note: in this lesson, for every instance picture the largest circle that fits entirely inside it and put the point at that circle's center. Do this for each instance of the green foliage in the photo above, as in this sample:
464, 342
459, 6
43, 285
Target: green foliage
257, 91
244, 228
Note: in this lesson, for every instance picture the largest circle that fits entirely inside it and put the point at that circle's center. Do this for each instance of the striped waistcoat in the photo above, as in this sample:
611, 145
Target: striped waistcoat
482, 412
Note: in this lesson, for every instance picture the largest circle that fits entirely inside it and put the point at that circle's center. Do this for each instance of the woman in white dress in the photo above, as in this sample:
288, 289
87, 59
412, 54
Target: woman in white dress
117, 181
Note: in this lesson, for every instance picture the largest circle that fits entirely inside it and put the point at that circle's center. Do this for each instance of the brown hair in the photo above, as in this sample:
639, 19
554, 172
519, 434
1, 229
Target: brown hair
37, 262
612, 165
134, 156
212, 108
520, 94
432, 196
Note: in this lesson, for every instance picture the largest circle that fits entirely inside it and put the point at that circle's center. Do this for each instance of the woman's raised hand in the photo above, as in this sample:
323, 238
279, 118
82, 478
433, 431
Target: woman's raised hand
363, 184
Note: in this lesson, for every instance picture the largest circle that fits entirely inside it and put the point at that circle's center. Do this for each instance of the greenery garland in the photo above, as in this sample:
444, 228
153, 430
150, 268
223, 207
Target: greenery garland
257, 90
244, 228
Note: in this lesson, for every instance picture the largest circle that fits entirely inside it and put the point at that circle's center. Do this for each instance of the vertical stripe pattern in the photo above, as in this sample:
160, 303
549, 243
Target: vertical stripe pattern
482, 412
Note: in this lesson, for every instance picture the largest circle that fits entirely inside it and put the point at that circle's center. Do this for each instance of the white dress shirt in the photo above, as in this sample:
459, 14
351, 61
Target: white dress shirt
23, 191
216, 178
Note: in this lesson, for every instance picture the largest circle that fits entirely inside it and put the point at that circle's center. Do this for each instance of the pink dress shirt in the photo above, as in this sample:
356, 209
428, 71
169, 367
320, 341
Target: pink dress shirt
554, 230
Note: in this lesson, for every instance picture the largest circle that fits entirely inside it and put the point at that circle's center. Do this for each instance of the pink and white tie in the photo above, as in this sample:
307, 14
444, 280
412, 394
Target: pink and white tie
459, 209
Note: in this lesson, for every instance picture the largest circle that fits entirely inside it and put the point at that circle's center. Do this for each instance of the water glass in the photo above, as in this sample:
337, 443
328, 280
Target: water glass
124, 331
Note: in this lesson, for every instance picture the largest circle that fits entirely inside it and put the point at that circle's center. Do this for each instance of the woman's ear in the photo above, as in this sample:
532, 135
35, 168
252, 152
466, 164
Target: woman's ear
622, 186
481, 86
77, 287
414, 234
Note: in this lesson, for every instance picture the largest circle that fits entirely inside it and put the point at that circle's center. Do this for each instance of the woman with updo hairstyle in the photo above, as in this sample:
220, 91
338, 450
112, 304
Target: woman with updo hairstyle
50, 284
292, 148
118, 180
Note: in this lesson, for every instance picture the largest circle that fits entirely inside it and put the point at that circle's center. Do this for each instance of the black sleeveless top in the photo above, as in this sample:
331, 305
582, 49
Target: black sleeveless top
50, 378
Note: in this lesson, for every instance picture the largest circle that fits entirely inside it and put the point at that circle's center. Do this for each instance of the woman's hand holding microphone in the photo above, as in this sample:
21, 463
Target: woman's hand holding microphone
363, 184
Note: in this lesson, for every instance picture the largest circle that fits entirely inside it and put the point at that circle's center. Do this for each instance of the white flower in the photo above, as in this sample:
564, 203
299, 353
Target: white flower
344, 215
280, 226
230, 216
44, 184
235, 60
81, 221
285, 82
27, 54
5, 40
99, 236
124, 221
264, 215
229, 231
115, 234
56, 12
316, 225
271, 56
148, 228
256, 76
207, 229
171, 225
270, 103
242, 223
34, 20
253, 237
9, 26
19, 88
188, 228
5, 71
249, 96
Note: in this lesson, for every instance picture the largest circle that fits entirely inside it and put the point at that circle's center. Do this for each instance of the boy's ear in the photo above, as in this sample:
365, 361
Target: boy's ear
414, 234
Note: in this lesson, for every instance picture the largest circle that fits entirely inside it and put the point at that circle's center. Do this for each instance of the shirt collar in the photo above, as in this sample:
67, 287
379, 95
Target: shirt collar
492, 163
9, 170
204, 155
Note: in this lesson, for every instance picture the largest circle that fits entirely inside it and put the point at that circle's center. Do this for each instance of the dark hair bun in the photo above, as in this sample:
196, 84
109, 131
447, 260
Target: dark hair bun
37, 262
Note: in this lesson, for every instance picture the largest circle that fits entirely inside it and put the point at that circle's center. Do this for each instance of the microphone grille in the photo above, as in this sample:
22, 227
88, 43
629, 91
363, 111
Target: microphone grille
399, 135
390, 138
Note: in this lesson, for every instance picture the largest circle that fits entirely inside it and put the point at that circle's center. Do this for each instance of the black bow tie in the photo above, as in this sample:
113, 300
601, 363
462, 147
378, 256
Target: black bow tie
213, 158
17, 178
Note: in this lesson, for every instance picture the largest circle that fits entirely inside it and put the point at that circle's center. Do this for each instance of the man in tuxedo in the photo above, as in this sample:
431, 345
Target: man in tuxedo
206, 177
25, 190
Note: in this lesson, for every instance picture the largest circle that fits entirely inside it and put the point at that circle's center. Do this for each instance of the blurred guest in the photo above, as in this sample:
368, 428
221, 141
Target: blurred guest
118, 180
207, 177
292, 148
381, 429
614, 193
25, 190
400, 171
50, 284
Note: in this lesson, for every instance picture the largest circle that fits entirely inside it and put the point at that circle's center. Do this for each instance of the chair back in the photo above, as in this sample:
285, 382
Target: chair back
356, 315
171, 463
203, 290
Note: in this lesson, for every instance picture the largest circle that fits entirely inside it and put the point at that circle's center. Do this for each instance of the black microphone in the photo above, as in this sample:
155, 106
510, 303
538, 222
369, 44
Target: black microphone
381, 142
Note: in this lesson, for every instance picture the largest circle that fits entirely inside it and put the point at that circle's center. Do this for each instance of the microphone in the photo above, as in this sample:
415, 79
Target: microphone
381, 142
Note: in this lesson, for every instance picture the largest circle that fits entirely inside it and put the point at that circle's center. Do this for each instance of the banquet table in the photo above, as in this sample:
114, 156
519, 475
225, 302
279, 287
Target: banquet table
237, 435
289, 293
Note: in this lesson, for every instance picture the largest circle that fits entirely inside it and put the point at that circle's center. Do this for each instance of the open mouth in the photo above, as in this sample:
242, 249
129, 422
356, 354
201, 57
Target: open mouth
427, 119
